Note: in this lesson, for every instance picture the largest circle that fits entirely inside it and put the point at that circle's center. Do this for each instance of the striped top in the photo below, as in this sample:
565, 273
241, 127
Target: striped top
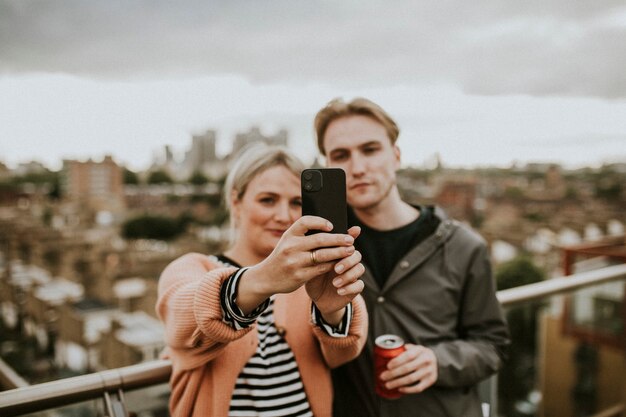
270, 382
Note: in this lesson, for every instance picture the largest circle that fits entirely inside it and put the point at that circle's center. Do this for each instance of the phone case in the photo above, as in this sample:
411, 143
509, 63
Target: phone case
324, 195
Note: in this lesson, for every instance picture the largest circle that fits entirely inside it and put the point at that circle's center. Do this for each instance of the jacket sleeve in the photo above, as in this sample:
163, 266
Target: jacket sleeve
188, 303
483, 333
337, 351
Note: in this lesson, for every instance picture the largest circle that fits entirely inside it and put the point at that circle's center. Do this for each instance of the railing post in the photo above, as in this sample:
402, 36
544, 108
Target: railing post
114, 404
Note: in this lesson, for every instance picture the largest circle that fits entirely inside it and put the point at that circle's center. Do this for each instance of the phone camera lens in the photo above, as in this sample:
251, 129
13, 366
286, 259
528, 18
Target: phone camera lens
308, 175
308, 186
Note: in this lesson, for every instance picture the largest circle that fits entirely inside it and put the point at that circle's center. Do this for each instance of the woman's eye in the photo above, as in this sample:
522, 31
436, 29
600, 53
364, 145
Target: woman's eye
267, 200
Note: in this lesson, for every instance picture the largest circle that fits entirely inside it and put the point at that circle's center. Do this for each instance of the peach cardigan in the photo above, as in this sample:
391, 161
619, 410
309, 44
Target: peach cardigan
207, 354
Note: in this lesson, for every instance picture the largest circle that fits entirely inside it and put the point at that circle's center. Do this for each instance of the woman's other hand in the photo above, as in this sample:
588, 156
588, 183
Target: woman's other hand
332, 291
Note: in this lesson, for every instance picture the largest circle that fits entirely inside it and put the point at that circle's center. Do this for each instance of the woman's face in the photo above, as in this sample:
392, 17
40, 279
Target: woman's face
269, 206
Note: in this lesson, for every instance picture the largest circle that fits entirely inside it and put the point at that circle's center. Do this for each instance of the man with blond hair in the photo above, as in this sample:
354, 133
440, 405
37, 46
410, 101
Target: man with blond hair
428, 280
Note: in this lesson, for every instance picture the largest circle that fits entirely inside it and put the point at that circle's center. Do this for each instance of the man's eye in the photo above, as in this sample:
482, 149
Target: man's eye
267, 200
370, 150
339, 157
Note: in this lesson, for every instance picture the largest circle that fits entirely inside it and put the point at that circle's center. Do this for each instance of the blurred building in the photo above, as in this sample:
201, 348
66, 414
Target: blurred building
583, 338
31, 167
97, 185
5, 172
81, 325
133, 338
202, 151
254, 135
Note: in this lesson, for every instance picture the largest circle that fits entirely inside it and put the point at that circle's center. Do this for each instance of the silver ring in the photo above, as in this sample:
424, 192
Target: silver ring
313, 257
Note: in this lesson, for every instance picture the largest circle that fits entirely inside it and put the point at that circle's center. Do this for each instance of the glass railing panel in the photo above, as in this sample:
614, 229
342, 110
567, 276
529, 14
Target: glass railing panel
149, 402
92, 408
567, 356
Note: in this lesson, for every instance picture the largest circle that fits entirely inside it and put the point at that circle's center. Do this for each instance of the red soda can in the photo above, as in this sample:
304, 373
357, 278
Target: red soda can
386, 347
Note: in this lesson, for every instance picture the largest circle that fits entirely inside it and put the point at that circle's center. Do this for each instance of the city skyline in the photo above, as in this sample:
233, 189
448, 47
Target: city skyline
478, 84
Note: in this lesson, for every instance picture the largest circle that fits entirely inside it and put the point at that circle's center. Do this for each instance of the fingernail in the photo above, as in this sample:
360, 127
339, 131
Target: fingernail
341, 291
349, 239
329, 225
338, 270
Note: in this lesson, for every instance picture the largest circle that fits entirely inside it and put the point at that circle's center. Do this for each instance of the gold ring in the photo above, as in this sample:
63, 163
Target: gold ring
313, 257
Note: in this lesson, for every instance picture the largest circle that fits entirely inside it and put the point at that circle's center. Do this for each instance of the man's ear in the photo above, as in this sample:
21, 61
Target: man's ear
397, 154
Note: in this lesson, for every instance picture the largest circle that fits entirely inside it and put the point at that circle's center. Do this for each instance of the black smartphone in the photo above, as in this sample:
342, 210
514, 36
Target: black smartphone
324, 195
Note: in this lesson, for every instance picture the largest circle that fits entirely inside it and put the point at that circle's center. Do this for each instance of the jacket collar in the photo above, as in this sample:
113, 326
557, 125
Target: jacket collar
417, 255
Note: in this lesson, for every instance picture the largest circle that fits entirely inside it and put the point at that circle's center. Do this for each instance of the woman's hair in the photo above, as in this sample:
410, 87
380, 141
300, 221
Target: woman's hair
337, 108
252, 161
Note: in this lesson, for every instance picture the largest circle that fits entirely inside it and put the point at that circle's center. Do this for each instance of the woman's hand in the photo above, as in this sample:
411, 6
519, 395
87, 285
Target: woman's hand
332, 291
296, 260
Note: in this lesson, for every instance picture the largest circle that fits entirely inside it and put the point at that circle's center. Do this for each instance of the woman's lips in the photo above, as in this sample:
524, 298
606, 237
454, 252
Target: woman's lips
277, 232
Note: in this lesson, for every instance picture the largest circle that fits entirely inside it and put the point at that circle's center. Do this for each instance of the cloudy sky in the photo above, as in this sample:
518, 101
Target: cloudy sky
484, 82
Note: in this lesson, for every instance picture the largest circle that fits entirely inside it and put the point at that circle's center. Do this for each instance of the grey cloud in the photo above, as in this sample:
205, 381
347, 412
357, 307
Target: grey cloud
596, 139
549, 47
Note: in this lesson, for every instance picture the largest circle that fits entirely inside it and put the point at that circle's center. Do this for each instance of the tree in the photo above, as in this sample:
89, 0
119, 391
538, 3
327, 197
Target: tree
159, 177
130, 177
153, 227
198, 178
517, 378
518, 271
56, 191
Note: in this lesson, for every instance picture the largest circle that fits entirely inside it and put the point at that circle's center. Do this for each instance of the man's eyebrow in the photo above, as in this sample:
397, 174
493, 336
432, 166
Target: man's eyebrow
371, 142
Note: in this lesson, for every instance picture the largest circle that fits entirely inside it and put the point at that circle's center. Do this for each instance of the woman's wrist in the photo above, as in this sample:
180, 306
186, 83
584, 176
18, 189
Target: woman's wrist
333, 318
251, 292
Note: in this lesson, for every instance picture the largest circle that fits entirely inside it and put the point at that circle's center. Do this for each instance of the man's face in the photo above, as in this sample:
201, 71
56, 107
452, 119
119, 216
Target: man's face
360, 146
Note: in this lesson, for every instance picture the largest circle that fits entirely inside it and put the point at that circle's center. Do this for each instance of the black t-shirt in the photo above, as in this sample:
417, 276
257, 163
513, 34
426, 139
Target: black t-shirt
382, 250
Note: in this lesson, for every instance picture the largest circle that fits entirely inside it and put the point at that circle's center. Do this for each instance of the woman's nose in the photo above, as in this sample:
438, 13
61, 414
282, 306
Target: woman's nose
282, 213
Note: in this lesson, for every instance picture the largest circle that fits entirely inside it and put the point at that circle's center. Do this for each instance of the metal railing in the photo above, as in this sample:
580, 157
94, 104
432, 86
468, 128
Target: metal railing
98, 385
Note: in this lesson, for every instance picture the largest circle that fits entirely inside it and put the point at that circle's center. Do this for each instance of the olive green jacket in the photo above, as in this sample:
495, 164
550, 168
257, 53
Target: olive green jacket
441, 294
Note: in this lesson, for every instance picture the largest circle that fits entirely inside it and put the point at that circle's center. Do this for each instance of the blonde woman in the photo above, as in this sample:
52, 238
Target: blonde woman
254, 331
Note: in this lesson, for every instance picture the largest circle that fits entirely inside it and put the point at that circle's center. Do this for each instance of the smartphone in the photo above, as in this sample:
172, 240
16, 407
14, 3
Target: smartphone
324, 195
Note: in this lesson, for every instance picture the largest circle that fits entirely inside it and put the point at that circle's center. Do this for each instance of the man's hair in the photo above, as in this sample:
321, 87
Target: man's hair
337, 108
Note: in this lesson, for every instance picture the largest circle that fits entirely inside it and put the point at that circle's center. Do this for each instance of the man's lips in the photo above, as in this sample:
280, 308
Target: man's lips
358, 185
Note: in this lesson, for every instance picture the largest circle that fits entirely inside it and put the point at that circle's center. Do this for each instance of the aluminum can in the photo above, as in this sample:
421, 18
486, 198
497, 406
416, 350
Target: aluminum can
386, 347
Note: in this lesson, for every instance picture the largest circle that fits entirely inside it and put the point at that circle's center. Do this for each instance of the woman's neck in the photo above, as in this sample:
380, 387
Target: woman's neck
242, 255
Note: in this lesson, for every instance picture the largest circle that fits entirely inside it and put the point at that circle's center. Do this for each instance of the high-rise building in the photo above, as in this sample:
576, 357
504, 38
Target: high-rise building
254, 135
202, 151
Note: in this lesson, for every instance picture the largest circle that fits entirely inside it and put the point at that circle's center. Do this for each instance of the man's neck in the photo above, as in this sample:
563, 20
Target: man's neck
389, 214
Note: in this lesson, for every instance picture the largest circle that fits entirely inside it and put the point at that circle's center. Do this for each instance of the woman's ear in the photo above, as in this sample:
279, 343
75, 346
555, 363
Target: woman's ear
235, 207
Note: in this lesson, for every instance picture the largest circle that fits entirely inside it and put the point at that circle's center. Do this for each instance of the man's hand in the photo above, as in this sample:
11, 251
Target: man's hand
412, 371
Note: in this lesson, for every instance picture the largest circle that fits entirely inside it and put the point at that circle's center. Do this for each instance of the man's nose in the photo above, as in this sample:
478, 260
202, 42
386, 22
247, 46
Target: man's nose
357, 165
